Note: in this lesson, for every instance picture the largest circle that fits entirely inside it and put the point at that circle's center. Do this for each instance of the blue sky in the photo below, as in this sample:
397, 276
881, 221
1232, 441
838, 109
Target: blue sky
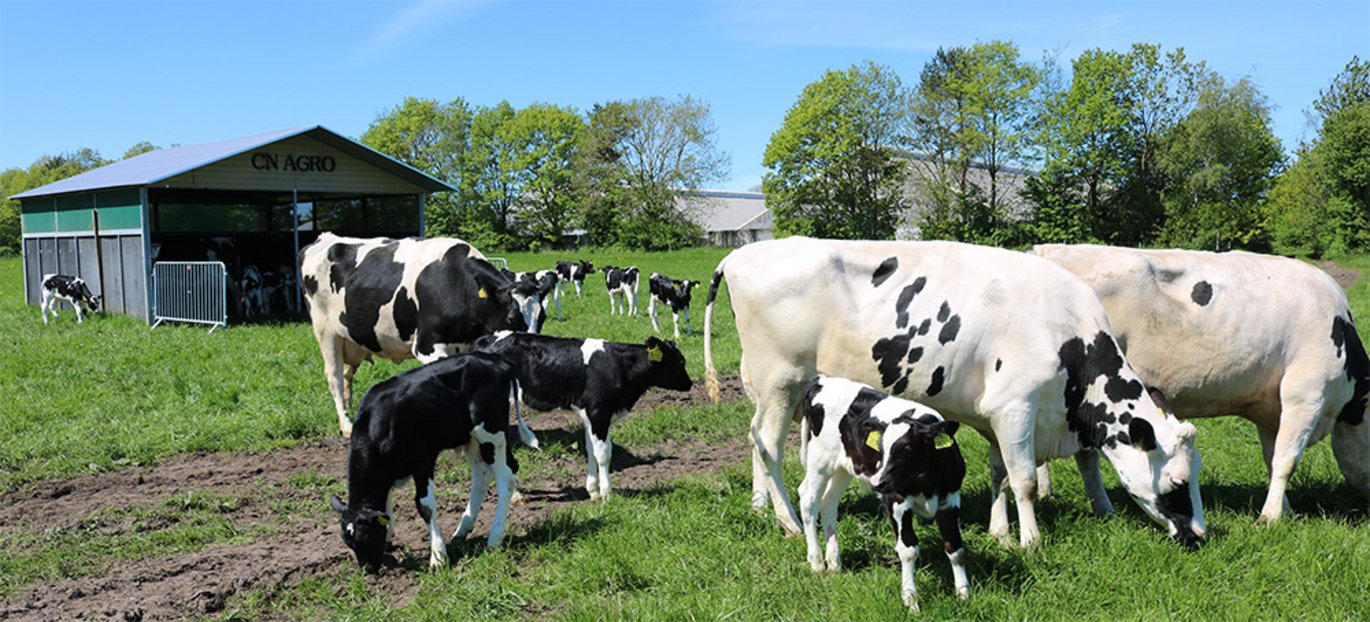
107, 74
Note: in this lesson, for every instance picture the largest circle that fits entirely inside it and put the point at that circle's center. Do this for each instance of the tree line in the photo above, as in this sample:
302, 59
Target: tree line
1137, 147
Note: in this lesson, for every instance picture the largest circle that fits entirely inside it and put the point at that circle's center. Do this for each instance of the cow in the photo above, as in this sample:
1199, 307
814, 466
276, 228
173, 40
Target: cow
621, 282
460, 402
673, 293
71, 289
280, 284
545, 283
904, 450
599, 380
252, 292
399, 299
1268, 339
574, 273
1012, 345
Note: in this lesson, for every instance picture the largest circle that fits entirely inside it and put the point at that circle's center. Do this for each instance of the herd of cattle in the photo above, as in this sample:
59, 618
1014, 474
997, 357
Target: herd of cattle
881, 350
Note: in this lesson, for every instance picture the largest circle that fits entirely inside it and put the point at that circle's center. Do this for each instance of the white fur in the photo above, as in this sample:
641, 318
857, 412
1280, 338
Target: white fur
589, 347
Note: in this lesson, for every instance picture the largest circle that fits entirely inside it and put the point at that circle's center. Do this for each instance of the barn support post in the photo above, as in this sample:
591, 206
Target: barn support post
423, 232
149, 294
99, 259
295, 229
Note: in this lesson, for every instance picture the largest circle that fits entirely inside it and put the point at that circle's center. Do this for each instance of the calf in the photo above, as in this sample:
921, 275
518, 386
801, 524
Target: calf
673, 293
903, 449
71, 289
599, 380
458, 402
251, 292
280, 285
544, 283
575, 273
621, 281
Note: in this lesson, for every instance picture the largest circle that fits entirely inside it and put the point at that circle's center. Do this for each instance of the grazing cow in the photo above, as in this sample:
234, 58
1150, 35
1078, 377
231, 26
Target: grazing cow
673, 293
621, 282
1265, 338
1007, 343
252, 292
903, 449
574, 273
71, 289
599, 380
398, 299
459, 402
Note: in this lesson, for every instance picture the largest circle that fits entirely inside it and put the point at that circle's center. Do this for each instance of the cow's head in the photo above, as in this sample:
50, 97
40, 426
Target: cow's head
667, 365
918, 456
93, 303
363, 531
587, 268
1159, 466
526, 298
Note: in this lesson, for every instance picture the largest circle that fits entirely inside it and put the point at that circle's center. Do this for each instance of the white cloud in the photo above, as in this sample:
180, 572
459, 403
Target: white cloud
407, 22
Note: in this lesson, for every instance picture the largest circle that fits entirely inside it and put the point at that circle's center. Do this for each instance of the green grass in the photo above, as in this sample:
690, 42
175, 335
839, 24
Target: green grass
113, 393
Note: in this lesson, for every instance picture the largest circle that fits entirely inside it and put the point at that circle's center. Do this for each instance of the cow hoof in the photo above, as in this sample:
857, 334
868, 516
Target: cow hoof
912, 602
594, 495
437, 561
516, 498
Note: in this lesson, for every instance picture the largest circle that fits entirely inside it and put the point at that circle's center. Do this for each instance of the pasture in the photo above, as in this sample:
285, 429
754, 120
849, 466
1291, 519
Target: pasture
178, 474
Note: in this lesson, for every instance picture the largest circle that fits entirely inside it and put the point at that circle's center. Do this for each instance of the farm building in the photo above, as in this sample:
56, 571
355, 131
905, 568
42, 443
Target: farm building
265, 196
729, 217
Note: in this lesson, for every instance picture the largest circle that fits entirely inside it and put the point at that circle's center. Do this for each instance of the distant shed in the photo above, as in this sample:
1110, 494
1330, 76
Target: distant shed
270, 193
731, 218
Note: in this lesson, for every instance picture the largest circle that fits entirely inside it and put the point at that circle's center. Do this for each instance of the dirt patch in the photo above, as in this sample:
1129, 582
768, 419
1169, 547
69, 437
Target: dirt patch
730, 390
1343, 276
291, 548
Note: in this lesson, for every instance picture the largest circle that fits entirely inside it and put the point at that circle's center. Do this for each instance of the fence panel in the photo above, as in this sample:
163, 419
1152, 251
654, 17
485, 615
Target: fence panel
190, 291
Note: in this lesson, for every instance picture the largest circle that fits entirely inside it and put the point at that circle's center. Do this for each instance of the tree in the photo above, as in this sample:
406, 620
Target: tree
1348, 88
1218, 165
834, 170
139, 148
489, 185
431, 137
546, 140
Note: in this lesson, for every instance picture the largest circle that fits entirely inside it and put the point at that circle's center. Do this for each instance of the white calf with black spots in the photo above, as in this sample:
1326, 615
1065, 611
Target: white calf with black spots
1012, 345
621, 282
904, 450
673, 293
59, 287
1268, 339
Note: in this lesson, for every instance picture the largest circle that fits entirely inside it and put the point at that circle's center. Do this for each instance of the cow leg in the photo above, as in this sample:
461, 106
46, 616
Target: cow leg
906, 546
1043, 480
427, 503
1296, 426
480, 484
949, 525
1087, 460
493, 459
810, 496
1017, 450
591, 464
836, 486
599, 452
651, 312
390, 508
689, 329
334, 370
774, 397
80, 317
675, 321
632, 298
43, 307
1351, 447
998, 499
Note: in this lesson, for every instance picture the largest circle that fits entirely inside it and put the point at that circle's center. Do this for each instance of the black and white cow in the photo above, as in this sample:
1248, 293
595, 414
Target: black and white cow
574, 273
544, 283
904, 450
460, 402
599, 380
399, 299
251, 292
621, 282
1007, 343
72, 289
673, 293
1268, 339
280, 285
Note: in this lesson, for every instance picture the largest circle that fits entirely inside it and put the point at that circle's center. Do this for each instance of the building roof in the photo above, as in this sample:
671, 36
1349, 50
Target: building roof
728, 210
154, 166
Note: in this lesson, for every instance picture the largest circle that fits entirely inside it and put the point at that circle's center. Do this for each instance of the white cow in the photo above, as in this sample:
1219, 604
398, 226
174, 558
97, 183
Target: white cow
1009, 344
1269, 339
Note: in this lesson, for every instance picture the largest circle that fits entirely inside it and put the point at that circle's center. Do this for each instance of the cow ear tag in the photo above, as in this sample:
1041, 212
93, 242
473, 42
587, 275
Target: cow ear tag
383, 520
942, 441
873, 440
482, 293
654, 354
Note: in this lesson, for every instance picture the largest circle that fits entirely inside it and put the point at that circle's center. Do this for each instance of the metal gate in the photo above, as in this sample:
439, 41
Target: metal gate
190, 291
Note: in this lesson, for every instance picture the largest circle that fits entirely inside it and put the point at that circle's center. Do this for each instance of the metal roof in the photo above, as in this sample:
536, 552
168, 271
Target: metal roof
154, 166
730, 210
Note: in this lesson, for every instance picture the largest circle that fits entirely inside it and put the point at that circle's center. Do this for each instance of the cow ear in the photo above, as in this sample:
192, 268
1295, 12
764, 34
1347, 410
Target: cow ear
1161, 403
337, 504
1142, 435
949, 426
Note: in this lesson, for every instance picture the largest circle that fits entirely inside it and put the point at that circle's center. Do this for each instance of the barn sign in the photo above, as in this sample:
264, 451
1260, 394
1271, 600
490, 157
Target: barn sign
302, 163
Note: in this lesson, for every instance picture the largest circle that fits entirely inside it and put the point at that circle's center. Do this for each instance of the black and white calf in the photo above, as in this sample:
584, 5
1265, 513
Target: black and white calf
906, 452
574, 273
621, 281
545, 283
459, 402
673, 293
280, 285
71, 289
599, 380
252, 292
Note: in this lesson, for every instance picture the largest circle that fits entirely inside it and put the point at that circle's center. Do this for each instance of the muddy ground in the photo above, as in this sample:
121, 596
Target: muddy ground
1343, 276
249, 485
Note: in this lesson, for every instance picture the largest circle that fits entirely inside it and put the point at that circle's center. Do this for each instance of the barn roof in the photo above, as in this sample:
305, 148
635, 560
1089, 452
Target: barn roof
155, 166
728, 210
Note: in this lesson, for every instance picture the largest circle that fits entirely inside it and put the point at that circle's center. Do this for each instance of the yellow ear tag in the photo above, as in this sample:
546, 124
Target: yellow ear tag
482, 293
942, 440
873, 440
654, 354
383, 520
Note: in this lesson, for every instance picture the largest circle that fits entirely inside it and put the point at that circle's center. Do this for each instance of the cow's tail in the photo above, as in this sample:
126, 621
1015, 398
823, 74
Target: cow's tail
526, 435
803, 438
711, 374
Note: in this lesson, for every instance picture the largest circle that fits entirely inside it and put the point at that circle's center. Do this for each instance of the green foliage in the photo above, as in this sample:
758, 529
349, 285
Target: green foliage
139, 148
431, 137
1348, 88
546, 139
833, 167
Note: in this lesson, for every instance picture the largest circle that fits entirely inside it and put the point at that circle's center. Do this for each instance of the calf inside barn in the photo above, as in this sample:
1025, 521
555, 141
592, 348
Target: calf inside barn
599, 380
59, 287
903, 449
621, 282
460, 402
673, 293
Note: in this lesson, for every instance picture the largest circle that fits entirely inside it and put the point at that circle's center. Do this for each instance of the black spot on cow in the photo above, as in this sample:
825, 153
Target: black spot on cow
944, 312
1119, 390
949, 330
1082, 364
1357, 367
311, 284
901, 384
487, 452
915, 354
884, 270
889, 353
998, 363
925, 326
406, 314
1125, 418
369, 287
906, 533
343, 259
854, 430
1202, 293
937, 379
901, 306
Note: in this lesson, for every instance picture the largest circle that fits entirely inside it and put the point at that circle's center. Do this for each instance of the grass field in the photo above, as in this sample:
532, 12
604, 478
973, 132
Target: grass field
111, 394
